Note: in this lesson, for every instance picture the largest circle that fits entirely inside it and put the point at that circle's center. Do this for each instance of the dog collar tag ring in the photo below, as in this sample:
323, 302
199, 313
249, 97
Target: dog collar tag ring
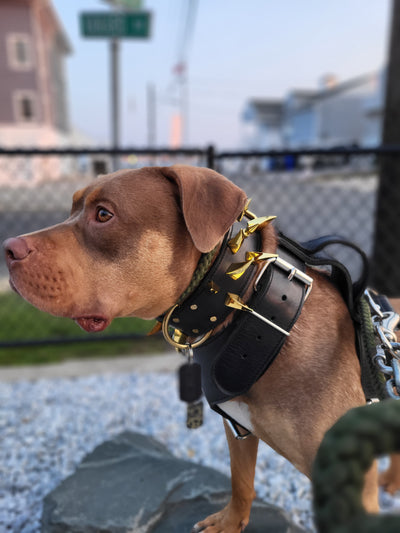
180, 346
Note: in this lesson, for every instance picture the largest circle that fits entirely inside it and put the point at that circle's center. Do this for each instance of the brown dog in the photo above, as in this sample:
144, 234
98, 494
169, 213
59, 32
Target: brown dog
130, 247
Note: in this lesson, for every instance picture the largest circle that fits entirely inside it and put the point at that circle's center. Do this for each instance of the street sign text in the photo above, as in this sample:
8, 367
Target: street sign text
116, 24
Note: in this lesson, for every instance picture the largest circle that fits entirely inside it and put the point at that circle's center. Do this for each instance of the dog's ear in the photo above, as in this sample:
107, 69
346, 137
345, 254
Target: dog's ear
210, 203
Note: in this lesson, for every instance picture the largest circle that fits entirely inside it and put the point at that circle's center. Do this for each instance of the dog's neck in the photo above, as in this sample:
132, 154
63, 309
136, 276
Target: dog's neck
203, 266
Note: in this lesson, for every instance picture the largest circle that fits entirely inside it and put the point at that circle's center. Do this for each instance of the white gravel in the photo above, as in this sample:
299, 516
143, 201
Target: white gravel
47, 427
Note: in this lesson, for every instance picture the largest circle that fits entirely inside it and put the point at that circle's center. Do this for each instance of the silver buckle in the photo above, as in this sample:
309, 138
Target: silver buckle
236, 432
293, 273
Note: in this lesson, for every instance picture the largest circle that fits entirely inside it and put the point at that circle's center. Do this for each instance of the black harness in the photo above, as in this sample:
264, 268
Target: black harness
234, 358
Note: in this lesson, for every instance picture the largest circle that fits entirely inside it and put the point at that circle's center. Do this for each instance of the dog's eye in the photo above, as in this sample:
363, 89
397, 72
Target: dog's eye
103, 215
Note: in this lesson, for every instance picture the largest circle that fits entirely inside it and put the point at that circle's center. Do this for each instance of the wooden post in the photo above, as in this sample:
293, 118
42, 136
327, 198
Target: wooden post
210, 156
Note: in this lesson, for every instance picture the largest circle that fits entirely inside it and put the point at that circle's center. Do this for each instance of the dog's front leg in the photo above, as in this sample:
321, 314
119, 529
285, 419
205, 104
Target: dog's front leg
235, 516
390, 479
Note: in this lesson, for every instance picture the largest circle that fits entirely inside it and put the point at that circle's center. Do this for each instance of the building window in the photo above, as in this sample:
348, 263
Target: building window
25, 106
19, 50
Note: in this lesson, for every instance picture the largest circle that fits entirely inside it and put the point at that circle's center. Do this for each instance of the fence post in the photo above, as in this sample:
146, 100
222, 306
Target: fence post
387, 219
210, 154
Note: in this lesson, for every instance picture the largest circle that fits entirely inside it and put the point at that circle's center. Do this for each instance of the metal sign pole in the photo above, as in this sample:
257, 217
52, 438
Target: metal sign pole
116, 25
114, 68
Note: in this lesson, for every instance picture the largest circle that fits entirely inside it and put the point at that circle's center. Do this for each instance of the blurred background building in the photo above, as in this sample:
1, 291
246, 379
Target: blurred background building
347, 113
33, 89
34, 111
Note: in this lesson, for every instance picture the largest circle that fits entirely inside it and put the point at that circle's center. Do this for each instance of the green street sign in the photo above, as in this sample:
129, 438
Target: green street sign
116, 24
125, 4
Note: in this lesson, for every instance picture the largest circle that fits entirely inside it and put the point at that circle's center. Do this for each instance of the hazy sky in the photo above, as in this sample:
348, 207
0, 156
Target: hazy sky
238, 50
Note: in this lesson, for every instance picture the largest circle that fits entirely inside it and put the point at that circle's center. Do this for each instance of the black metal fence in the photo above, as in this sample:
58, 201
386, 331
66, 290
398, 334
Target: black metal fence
312, 192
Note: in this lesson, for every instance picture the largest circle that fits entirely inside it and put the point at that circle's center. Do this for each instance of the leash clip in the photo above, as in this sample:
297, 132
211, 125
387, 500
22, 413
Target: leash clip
387, 356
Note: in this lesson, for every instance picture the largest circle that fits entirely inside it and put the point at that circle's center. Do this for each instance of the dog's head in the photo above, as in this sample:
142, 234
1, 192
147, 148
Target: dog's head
129, 247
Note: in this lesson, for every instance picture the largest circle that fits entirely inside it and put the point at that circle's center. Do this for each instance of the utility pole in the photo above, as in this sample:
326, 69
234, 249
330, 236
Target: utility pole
386, 254
127, 21
151, 115
185, 106
115, 116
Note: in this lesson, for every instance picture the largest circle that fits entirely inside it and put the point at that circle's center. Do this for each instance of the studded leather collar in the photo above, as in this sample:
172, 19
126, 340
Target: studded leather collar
205, 308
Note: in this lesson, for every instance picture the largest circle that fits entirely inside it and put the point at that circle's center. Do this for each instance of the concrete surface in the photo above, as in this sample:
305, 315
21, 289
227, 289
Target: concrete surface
168, 362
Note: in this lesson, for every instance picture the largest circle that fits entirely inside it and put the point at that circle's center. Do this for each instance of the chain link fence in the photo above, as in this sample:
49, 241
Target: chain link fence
312, 193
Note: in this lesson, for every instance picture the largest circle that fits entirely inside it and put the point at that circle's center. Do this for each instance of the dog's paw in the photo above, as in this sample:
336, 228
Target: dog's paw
221, 522
389, 481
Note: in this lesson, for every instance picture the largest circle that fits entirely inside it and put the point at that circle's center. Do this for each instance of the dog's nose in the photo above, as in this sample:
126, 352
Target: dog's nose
16, 249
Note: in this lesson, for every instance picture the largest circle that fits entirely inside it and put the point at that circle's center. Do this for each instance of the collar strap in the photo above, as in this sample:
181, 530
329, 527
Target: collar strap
203, 267
233, 360
204, 309
313, 253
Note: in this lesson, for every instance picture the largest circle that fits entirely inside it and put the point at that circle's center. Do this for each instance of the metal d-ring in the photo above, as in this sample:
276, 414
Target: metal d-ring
172, 342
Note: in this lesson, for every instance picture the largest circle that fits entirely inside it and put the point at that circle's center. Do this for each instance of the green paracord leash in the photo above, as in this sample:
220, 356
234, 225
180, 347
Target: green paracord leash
345, 455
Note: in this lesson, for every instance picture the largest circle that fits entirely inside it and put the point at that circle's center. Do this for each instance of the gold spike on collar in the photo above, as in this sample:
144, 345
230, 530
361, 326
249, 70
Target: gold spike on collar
238, 269
253, 225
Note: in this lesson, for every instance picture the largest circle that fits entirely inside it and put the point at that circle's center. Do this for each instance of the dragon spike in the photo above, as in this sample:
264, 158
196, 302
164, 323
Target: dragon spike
259, 223
236, 242
246, 213
236, 270
155, 329
253, 225
234, 301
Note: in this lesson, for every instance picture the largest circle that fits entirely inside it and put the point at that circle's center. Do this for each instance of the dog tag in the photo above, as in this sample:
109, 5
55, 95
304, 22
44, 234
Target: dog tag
194, 417
190, 382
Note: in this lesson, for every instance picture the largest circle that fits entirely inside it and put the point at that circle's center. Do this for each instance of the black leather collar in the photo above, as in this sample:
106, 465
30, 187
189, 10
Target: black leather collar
233, 360
205, 308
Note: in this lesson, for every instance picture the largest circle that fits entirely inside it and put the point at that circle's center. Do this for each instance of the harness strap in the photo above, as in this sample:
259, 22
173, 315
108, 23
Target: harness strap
373, 382
234, 359
311, 253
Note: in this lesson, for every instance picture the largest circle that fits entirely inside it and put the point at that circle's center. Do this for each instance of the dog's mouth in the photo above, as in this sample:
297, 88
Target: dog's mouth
92, 324
12, 285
